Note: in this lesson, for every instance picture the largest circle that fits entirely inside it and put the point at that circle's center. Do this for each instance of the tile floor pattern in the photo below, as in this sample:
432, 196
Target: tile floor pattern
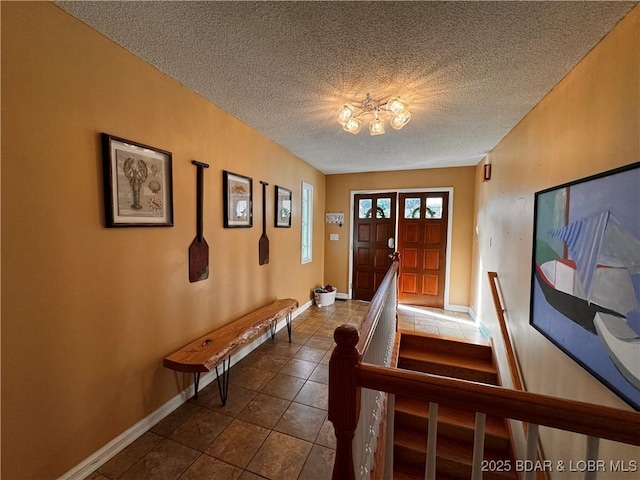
275, 423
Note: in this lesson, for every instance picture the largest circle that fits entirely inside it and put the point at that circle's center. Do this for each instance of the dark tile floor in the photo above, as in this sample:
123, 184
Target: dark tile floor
275, 423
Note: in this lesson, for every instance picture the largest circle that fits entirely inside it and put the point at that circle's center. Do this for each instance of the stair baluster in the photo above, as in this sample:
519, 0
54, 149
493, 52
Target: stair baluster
593, 446
532, 448
478, 446
432, 440
388, 456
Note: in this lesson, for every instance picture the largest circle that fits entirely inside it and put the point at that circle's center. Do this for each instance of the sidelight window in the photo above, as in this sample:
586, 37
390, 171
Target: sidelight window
307, 223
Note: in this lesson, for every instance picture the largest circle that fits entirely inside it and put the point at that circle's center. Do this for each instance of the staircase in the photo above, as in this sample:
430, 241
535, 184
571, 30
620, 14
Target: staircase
455, 358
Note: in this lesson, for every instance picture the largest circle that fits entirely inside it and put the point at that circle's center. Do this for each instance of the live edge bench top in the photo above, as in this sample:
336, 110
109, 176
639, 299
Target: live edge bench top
203, 354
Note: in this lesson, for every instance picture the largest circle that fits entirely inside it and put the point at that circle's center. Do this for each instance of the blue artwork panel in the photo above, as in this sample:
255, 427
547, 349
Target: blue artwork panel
586, 275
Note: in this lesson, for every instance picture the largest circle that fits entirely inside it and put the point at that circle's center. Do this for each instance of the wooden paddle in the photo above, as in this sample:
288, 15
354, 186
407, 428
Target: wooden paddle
199, 249
263, 244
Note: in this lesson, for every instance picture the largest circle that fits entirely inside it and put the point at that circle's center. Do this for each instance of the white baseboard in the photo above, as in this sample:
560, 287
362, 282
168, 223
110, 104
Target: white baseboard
481, 326
456, 308
122, 441
342, 296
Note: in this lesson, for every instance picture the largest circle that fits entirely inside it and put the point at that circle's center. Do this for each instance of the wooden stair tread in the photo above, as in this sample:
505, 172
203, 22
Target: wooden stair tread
494, 426
444, 343
411, 472
401, 474
452, 457
447, 448
452, 359
447, 365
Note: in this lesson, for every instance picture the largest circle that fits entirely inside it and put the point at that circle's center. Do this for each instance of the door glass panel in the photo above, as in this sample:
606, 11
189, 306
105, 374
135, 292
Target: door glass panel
364, 208
383, 209
412, 208
434, 207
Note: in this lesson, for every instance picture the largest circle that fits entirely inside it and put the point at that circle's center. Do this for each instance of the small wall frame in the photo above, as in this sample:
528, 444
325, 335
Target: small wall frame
138, 184
237, 200
282, 208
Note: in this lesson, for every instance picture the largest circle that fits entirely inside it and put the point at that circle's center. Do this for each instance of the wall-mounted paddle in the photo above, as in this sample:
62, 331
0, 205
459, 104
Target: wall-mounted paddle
199, 249
263, 244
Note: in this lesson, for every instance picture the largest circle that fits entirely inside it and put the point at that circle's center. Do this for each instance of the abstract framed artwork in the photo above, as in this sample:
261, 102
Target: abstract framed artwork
585, 288
138, 184
283, 207
237, 200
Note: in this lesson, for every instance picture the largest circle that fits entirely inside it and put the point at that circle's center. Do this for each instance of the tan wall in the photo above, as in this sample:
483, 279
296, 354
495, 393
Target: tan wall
88, 313
588, 124
339, 188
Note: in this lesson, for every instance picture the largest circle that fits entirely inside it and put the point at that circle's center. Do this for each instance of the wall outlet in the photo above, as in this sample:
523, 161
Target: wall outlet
334, 237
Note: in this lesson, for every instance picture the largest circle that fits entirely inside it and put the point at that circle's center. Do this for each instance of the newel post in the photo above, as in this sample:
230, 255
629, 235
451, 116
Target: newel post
344, 398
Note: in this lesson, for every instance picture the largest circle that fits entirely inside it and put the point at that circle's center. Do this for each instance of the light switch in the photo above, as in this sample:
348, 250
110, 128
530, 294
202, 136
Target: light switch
334, 237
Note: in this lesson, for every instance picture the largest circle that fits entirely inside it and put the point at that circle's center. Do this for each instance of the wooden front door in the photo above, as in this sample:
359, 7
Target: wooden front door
422, 242
373, 227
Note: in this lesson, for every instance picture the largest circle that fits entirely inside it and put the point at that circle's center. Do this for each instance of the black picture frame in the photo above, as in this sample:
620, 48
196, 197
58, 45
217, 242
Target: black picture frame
584, 284
138, 184
237, 200
282, 210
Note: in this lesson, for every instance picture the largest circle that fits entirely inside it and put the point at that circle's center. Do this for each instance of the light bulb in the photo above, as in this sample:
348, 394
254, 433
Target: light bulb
376, 127
395, 106
353, 125
400, 120
345, 114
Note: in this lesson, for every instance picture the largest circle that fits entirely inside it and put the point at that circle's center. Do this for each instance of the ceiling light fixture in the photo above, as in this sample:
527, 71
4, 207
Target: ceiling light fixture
349, 115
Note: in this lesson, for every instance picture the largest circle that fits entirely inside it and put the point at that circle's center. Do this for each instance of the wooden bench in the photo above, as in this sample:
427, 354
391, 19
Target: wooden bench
214, 349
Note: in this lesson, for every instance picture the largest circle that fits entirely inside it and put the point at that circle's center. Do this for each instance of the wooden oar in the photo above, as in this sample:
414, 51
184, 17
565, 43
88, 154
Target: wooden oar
199, 249
263, 244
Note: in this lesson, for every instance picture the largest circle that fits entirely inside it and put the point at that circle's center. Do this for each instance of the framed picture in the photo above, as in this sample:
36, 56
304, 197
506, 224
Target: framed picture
283, 207
585, 292
138, 185
238, 200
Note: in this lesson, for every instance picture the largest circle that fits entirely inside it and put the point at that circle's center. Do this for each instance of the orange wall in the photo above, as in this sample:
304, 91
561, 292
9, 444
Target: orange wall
88, 313
588, 124
339, 188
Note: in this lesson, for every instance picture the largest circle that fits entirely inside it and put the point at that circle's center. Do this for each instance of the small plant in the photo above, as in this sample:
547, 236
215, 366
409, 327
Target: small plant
326, 289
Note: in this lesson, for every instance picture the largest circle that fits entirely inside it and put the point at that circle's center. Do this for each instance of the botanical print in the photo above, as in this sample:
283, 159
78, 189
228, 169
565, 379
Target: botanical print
139, 185
237, 200
239, 205
283, 207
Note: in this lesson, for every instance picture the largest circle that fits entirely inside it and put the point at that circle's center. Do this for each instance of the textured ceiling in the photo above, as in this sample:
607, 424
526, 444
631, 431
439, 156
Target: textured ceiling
470, 71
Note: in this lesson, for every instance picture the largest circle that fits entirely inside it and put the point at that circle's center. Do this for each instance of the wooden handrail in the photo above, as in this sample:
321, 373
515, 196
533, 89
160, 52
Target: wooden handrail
367, 327
511, 355
580, 417
344, 394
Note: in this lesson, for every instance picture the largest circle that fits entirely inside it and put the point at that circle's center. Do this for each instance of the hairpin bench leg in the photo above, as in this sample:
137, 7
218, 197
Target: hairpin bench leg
223, 385
272, 328
289, 316
196, 381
